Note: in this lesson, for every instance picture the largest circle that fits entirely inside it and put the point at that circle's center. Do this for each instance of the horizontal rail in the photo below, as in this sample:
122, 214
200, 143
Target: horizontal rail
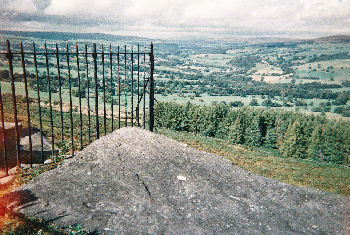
79, 53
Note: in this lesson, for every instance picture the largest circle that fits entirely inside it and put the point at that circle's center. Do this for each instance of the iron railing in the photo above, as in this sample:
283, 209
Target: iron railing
53, 69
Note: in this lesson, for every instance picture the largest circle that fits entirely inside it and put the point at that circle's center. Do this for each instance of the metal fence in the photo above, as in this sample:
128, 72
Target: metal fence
66, 83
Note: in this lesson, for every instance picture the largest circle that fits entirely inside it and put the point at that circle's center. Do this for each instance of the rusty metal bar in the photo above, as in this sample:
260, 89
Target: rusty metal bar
60, 90
125, 90
88, 92
50, 100
142, 94
132, 86
70, 102
104, 91
79, 92
151, 92
119, 89
28, 108
39, 104
144, 90
9, 56
138, 86
3, 133
94, 55
112, 89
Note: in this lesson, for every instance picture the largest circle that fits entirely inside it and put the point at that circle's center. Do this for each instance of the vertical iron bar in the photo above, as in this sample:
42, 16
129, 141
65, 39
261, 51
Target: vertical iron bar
50, 100
88, 91
3, 130
112, 89
138, 86
144, 89
28, 108
104, 91
9, 56
126, 98
70, 103
119, 89
60, 91
132, 86
151, 92
94, 55
79, 92
39, 104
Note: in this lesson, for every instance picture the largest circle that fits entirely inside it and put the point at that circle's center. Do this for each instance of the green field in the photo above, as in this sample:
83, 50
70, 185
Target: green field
323, 176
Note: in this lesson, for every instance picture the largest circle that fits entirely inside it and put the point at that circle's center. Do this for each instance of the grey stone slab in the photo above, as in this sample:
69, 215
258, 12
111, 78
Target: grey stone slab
134, 181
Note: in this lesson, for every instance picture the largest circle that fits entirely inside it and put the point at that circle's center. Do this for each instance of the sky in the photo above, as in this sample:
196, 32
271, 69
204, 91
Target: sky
180, 19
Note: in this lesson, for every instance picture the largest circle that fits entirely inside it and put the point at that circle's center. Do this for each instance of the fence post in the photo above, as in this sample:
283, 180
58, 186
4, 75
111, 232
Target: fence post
112, 84
151, 92
3, 134
94, 55
119, 89
132, 86
9, 56
144, 88
104, 90
28, 108
125, 89
50, 100
88, 91
39, 105
79, 91
138, 86
60, 91
70, 101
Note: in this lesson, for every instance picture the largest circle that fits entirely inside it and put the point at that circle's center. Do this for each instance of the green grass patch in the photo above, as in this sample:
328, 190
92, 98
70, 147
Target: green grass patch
324, 176
31, 226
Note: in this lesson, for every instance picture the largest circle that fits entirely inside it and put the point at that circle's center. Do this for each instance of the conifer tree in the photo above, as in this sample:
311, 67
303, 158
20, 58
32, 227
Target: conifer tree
331, 146
314, 149
236, 131
294, 142
253, 136
271, 137
343, 130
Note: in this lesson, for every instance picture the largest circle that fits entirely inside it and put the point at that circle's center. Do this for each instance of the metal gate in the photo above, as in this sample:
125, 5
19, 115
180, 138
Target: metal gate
62, 91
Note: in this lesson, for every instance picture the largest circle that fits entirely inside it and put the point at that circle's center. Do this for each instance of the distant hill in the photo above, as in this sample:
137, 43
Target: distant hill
335, 38
282, 40
72, 36
260, 39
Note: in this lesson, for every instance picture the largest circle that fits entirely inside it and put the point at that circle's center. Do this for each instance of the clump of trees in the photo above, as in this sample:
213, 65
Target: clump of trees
293, 134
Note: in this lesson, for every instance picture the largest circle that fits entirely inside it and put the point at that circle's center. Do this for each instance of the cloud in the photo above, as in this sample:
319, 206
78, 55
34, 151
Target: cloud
169, 17
17, 6
41, 5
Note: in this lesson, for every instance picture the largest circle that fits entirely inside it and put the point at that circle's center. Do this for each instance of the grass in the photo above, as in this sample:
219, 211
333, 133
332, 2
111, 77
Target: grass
44, 96
29, 226
324, 176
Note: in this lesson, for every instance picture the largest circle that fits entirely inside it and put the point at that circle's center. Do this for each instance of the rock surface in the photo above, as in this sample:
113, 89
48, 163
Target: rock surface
25, 156
134, 181
36, 148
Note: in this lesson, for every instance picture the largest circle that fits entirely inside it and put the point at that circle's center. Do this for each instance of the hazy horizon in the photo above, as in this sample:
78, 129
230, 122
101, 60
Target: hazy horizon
165, 19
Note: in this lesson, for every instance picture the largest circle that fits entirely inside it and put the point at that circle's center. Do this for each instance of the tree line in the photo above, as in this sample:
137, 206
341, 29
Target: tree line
293, 134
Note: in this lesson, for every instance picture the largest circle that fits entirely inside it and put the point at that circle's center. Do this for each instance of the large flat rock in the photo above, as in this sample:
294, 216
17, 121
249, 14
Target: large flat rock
135, 181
